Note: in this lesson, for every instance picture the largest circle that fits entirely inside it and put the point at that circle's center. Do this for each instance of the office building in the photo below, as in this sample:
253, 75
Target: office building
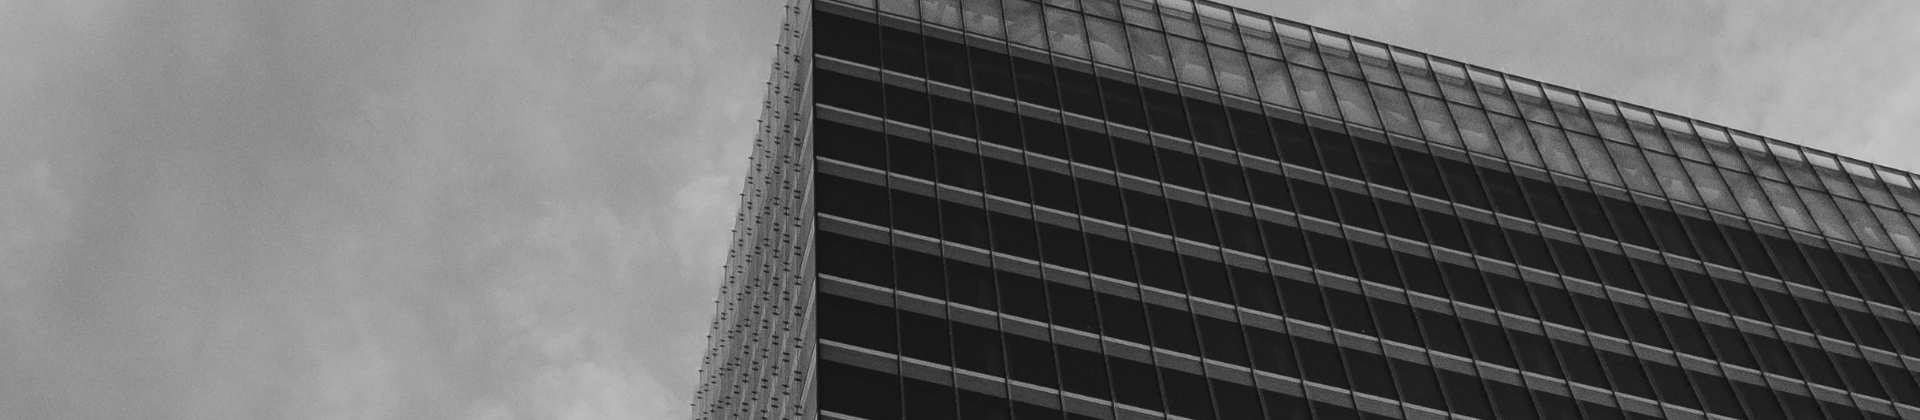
1128, 209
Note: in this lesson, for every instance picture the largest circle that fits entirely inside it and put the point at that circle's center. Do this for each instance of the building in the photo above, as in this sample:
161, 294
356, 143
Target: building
1123, 209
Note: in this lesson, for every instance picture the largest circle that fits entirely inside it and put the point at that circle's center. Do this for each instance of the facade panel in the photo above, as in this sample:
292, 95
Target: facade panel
1115, 209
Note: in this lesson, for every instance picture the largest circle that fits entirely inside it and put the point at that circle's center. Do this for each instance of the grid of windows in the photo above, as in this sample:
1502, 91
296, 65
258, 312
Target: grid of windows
1122, 209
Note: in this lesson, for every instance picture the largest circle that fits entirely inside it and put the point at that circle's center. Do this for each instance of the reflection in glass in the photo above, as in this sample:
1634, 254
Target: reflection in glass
1592, 153
1434, 120
983, 17
1787, 204
1554, 149
1864, 225
1355, 103
1109, 42
1714, 192
1150, 52
1315, 96
1475, 131
1395, 111
1023, 24
1257, 33
899, 7
1825, 214
1633, 169
941, 12
1514, 139
1752, 200
1673, 179
1231, 68
1275, 86
1064, 29
1899, 231
1190, 61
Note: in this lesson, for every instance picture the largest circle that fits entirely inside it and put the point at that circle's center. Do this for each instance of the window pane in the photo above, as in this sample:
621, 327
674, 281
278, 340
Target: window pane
1414, 73
1454, 83
1395, 111
1231, 67
1297, 43
1257, 32
1064, 29
1554, 149
1434, 120
1673, 179
1899, 231
900, 7
1023, 24
1475, 130
1190, 61
1315, 96
1592, 153
941, 12
1275, 86
1150, 52
1746, 190
1864, 225
1787, 204
1514, 139
1633, 169
1714, 192
1109, 42
983, 17
1355, 103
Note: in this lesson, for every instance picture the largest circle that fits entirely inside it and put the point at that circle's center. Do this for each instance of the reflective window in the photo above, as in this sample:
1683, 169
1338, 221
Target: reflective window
1787, 204
1355, 103
1190, 61
1475, 131
1066, 33
900, 7
1315, 95
1554, 149
1514, 139
1231, 68
1592, 153
1453, 82
1434, 120
1275, 85
1109, 42
1714, 192
1638, 176
1753, 201
1023, 24
941, 12
1826, 215
1257, 33
1395, 111
1150, 52
1414, 73
1673, 179
1297, 43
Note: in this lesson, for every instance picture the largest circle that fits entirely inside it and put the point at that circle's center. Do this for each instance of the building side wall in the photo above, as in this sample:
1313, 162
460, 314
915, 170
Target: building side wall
759, 356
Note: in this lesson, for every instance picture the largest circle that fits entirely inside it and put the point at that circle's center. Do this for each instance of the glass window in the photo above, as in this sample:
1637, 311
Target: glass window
1139, 13
1150, 52
1633, 169
1375, 63
1271, 77
1533, 102
1336, 52
1453, 82
899, 7
1566, 106
941, 12
1714, 192
1514, 140
1899, 231
1607, 120
1593, 157
1109, 42
1068, 36
983, 17
1746, 190
1640, 121
1023, 24
1787, 204
1864, 225
1102, 8
1355, 103
1414, 73
1179, 19
1217, 23
1680, 132
1554, 149
1395, 111
1673, 179
1231, 68
1825, 214
1190, 61
1315, 95
1297, 43
1257, 33
1475, 130
1432, 114
1493, 91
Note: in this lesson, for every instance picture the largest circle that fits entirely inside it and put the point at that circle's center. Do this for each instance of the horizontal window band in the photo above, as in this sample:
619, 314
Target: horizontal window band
1296, 324
1256, 248
1526, 177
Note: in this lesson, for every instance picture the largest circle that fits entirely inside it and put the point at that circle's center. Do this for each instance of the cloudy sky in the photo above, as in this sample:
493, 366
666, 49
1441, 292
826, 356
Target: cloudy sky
495, 209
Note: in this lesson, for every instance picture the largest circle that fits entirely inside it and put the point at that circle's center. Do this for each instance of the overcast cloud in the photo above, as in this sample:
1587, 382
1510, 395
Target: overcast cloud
496, 209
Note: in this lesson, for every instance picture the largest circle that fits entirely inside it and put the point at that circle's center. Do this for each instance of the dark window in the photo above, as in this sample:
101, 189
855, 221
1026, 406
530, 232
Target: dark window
850, 144
846, 38
1165, 113
1193, 222
1123, 103
926, 338
946, 62
1330, 253
1207, 279
1465, 187
1134, 384
859, 392
1045, 137
901, 52
992, 72
854, 259
1221, 341
1053, 190
999, 127
1061, 246
1296, 146
1100, 200
910, 157
1173, 330
1083, 372
930, 401
971, 285
1382, 168
848, 92
978, 349
1030, 361
1147, 211
1136, 159
1072, 307
1022, 296
851, 199
1588, 215
1250, 134
916, 213
953, 116
1159, 268
1122, 318
1356, 210
919, 273
958, 168
1078, 93
1505, 193
906, 105
1209, 124
1302, 301
858, 323
1224, 179
1111, 258
1180, 169
1035, 82
1090, 148
1336, 150
1443, 333
1014, 235
1007, 180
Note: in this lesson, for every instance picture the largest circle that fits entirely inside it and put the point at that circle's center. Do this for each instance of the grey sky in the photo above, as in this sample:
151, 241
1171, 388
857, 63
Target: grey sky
496, 209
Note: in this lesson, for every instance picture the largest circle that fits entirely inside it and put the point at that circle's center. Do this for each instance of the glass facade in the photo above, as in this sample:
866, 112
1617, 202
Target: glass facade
1119, 209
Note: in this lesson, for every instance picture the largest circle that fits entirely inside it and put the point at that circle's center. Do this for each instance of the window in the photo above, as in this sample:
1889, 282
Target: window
982, 17
1190, 61
1066, 33
1023, 24
1354, 101
1231, 67
1315, 95
1109, 41
858, 392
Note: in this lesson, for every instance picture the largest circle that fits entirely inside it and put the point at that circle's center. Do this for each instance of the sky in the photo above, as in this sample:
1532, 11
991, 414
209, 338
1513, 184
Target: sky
499, 209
